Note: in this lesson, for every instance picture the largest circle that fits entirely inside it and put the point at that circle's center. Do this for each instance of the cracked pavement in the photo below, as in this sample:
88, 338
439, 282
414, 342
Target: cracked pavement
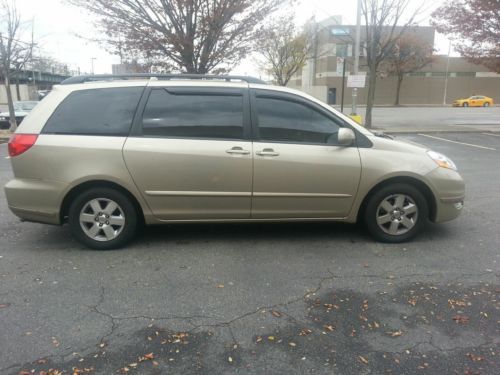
253, 299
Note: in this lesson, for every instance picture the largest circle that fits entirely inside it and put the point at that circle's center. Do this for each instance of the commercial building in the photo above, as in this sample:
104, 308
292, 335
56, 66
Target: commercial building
323, 75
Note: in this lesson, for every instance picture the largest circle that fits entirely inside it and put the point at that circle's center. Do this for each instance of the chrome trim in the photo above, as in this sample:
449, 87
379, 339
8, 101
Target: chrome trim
259, 220
198, 193
301, 195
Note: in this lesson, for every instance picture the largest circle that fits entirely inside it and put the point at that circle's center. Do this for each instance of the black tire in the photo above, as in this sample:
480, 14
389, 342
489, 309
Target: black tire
124, 233
486, 104
465, 104
374, 210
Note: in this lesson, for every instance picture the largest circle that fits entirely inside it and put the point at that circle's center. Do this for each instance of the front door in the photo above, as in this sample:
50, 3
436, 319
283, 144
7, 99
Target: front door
299, 169
191, 159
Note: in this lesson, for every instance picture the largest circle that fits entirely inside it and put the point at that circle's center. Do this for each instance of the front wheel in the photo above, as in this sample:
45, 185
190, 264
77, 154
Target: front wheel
396, 213
102, 219
465, 104
486, 104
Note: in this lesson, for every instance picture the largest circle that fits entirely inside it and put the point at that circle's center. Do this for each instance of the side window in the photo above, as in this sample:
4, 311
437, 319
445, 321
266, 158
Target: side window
95, 112
282, 120
193, 116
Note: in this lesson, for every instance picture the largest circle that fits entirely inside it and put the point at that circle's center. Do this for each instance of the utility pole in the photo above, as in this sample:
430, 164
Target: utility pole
92, 63
356, 55
447, 72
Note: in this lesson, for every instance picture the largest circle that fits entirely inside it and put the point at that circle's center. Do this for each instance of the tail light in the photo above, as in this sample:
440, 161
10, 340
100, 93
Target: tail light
20, 143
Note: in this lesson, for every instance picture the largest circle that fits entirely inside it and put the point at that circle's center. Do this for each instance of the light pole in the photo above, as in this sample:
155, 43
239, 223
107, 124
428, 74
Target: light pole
92, 64
446, 75
356, 55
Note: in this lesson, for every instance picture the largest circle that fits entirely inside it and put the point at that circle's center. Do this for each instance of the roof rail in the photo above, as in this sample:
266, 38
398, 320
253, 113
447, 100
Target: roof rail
113, 77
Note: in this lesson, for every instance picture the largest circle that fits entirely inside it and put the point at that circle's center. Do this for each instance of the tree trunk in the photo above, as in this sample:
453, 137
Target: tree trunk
398, 89
370, 99
12, 112
18, 92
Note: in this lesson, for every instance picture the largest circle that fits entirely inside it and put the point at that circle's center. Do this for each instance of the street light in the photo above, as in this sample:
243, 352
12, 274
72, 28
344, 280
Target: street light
447, 72
92, 63
356, 55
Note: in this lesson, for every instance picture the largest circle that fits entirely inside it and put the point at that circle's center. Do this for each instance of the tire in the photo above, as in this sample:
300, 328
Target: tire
393, 206
102, 219
465, 104
486, 104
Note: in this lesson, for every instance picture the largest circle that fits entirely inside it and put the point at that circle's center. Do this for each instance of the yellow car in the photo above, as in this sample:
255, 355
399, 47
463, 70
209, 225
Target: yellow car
474, 101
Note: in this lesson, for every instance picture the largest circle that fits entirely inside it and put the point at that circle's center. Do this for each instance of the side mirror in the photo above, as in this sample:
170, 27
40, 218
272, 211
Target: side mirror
346, 137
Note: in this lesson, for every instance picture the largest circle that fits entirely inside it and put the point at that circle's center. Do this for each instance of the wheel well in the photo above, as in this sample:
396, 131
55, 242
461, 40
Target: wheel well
421, 186
75, 191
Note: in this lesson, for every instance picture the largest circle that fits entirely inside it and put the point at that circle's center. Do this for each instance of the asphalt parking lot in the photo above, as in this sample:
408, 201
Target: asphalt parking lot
261, 299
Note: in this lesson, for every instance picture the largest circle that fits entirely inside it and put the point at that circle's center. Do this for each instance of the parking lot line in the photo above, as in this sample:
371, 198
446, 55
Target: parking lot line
460, 143
494, 135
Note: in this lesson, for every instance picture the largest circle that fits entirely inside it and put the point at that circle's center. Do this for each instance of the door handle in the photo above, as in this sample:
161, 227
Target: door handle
267, 152
237, 151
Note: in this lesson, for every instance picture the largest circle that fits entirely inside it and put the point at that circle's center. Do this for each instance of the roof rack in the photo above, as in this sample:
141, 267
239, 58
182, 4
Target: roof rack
113, 77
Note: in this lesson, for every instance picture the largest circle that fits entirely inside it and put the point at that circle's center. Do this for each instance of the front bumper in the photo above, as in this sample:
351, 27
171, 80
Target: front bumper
449, 191
35, 200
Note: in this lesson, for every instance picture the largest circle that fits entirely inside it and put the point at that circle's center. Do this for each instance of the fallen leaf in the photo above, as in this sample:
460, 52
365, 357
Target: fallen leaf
230, 359
395, 333
220, 286
149, 356
270, 338
4, 305
276, 314
55, 342
133, 365
258, 339
461, 319
329, 327
305, 332
363, 359
475, 358
42, 361
292, 344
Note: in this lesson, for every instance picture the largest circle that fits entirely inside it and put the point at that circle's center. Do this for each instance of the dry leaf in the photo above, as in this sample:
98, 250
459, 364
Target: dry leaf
230, 359
276, 314
329, 327
220, 286
149, 356
395, 333
270, 338
461, 319
363, 359
292, 344
4, 305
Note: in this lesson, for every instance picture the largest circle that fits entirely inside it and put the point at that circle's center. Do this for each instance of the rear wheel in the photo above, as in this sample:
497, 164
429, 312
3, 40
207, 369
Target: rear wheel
102, 219
396, 213
465, 104
486, 104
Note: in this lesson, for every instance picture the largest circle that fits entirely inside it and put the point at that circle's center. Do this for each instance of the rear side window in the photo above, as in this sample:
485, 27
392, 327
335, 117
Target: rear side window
95, 112
202, 115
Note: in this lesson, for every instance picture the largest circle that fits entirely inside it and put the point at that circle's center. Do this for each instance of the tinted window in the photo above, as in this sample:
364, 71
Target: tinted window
96, 112
193, 116
287, 121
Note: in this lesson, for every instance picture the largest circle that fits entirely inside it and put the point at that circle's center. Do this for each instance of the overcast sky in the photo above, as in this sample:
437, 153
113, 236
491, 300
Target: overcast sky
59, 25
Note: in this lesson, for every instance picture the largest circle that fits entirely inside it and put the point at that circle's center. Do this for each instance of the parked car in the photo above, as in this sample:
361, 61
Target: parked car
21, 111
474, 101
109, 155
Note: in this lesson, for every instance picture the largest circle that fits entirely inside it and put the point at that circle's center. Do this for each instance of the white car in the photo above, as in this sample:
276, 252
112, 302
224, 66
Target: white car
21, 110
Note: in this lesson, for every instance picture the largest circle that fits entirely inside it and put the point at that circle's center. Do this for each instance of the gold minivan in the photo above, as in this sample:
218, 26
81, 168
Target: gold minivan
106, 154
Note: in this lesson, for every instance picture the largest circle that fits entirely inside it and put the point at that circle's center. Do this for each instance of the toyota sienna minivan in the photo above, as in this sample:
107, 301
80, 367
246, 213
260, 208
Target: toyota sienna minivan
106, 154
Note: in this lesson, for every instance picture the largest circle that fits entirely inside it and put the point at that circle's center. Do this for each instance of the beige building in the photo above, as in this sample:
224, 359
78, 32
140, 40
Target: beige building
322, 76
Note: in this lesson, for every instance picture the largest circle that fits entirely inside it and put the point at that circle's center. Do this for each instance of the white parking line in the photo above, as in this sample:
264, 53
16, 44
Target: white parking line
460, 143
494, 135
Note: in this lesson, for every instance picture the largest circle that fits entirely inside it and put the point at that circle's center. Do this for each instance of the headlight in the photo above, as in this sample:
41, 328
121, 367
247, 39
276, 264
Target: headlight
442, 160
3, 118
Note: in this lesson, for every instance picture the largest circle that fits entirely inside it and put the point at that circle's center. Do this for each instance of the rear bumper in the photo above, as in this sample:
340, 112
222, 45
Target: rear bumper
35, 200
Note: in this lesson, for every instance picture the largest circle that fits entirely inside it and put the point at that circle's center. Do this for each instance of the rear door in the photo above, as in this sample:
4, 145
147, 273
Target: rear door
299, 169
190, 153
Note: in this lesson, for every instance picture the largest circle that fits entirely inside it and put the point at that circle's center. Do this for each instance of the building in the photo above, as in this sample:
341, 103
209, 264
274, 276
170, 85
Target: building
322, 75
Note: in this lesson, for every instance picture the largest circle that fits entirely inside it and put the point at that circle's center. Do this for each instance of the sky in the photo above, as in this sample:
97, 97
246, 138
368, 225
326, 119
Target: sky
62, 31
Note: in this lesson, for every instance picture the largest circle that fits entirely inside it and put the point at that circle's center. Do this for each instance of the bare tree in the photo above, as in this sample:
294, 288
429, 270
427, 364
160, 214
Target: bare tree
475, 26
410, 54
283, 49
14, 53
386, 22
193, 36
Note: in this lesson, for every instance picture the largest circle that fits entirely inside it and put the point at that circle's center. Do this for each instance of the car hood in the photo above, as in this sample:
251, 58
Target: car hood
398, 144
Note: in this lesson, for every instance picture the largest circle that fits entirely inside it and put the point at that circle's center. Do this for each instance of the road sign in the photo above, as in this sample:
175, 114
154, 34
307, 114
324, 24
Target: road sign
356, 81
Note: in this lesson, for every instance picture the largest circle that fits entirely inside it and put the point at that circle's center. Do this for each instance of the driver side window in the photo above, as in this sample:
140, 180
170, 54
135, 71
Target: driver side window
282, 120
